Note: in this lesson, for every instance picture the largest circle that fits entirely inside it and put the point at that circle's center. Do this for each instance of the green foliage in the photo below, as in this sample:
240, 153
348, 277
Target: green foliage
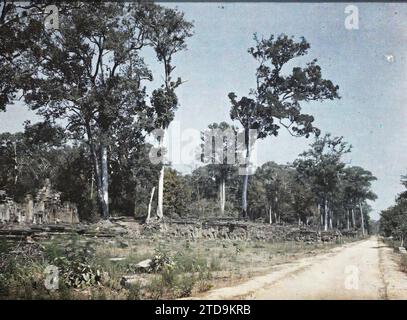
77, 274
135, 292
161, 261
132, 177
185, 285
177, 195
337, 188
188, 262
18, 31
393, 221
30, 157
75, 262
91, 73
21, 271
277, 96
276, 101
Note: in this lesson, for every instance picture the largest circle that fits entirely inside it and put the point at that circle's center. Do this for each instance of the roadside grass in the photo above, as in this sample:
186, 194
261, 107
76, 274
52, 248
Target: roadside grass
395, 245
403, 262
92, 268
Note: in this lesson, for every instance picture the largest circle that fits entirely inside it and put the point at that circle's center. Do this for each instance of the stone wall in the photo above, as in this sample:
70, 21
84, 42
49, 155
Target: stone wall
237, 230
46, 207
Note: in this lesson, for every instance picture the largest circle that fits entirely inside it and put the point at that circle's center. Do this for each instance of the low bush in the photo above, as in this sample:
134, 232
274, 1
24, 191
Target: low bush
161, 261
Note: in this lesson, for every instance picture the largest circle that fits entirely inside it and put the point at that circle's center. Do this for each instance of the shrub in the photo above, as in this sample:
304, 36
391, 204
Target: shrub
161, 261
53, 250
77, 274
155, 288
75, 263
204, 285
168, 276
135, 292
185, 286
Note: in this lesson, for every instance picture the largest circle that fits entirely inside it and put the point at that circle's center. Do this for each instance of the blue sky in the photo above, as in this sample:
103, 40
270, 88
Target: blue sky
372, 112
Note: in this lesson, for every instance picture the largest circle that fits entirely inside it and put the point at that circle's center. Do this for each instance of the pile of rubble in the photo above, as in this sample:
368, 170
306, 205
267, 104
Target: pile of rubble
217, 229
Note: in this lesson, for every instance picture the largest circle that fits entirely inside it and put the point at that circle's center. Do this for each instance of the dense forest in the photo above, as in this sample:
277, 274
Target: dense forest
318, 188
89, 82
393, 221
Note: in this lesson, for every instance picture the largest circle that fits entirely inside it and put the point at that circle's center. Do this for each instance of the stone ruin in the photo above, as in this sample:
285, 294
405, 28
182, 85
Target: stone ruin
45, 208
225, 229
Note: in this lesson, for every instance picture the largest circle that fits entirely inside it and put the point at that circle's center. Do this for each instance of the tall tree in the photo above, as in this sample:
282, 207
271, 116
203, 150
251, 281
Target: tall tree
220, 153
304, 200
276, 100
133, 175
276, 181
167, 31
358, 189
178, 194
90, 74
322, 165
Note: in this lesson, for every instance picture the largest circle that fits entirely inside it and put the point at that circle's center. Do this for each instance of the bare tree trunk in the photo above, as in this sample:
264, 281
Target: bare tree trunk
362, 219
92, 182
199, 199
105, 182
270, 219
96, 170
246, 175
222, 196
277, 210
97, 178
326, 215
15, 163
160, 195
160, 210
149, 205
347, 220
331, 213
321, 218
244, 195
353, 219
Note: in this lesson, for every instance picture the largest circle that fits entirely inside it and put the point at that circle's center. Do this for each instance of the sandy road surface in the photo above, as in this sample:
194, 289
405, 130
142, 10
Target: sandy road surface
362, 270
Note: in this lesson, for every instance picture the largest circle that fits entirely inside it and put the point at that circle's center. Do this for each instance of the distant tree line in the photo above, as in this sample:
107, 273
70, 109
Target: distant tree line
316, 189
393, 221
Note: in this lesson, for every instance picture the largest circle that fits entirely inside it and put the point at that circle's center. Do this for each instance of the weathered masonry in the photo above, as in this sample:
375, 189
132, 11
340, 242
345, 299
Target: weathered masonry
46, 207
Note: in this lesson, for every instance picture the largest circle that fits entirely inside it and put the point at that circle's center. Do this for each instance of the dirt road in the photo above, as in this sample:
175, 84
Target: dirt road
362, 270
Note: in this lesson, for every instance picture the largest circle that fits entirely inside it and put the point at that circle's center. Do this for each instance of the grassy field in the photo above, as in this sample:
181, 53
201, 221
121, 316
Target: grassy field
94, 268
402, 258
